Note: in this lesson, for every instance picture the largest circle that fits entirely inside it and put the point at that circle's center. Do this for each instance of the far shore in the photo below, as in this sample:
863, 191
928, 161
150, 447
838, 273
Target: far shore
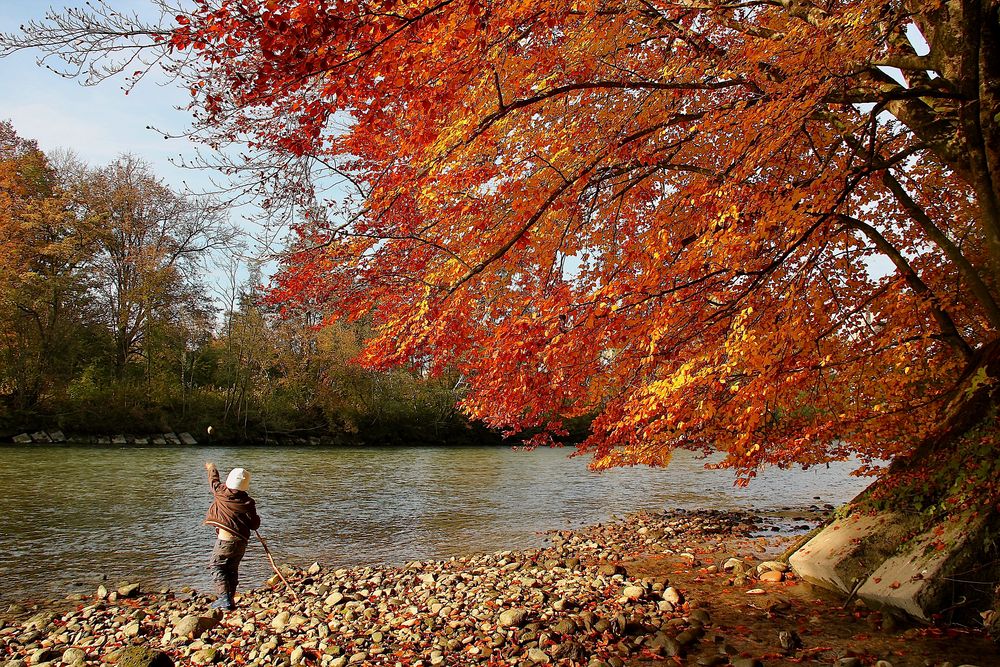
186, 439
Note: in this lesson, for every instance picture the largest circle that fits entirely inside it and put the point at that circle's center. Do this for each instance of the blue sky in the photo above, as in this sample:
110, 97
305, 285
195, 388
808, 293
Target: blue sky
99, 122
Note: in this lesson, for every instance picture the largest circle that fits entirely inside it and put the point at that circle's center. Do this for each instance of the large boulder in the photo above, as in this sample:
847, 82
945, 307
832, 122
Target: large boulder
919, 578
848, 550
893, 561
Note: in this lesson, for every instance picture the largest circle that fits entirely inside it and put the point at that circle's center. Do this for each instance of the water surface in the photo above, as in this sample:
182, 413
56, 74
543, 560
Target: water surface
74, 516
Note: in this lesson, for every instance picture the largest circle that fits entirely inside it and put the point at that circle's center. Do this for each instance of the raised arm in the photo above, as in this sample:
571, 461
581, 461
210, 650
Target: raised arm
213, 476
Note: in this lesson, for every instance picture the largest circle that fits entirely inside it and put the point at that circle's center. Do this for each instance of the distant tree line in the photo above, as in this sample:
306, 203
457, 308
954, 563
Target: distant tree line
109, 324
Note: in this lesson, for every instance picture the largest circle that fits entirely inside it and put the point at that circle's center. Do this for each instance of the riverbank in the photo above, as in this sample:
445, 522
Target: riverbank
653, 589
478, 436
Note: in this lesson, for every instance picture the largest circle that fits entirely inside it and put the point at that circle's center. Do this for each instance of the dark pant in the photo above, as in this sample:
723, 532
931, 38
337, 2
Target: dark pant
225, 564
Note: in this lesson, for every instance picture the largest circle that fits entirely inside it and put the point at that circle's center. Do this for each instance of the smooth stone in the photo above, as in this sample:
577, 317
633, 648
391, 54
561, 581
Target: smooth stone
513, 618
672, 595
143, 656
773, 566
205, 656
280, 622
610, 570
734, 565
194, 626
772, 576
39, 621
44, 655
73, 655
128, 590
712, 660
564, 627
633, 592
701, 616
687, 637
667, 644
570, 650
538, 656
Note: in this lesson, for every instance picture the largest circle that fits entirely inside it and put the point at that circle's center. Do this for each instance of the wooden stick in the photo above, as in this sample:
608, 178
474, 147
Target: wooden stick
274, 567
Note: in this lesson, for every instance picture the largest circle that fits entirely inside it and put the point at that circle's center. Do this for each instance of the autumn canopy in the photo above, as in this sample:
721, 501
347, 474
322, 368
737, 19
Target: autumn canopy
770, 226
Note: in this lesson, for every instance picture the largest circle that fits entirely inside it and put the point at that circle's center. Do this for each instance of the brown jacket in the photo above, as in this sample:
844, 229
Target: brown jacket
234, 511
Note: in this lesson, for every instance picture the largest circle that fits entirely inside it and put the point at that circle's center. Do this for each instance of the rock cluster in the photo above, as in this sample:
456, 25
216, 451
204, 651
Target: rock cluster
572, 603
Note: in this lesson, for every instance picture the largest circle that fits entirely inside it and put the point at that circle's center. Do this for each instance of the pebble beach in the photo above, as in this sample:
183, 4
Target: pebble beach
671, 588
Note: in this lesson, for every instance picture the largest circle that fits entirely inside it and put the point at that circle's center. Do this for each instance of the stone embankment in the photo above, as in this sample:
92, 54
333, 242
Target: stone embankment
58, 437
655, 589
49, 437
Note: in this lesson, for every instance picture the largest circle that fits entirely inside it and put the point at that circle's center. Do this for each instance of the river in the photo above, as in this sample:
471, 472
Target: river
73, 517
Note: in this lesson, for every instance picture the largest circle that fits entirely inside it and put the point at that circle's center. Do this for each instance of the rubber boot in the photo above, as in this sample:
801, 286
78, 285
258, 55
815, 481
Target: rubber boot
223, 602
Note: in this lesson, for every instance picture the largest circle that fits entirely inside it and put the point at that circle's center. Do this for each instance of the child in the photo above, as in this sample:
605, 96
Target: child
233, 514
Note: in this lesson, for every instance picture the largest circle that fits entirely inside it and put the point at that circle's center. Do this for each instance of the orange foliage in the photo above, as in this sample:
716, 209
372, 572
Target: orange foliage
668, 214
29, 209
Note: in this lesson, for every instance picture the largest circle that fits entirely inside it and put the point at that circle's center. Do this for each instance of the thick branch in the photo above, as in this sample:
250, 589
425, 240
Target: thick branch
952, 251
905, 61
947, 326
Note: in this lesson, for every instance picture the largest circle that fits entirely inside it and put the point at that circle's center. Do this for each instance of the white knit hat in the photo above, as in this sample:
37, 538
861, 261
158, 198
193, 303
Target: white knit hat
238, 480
